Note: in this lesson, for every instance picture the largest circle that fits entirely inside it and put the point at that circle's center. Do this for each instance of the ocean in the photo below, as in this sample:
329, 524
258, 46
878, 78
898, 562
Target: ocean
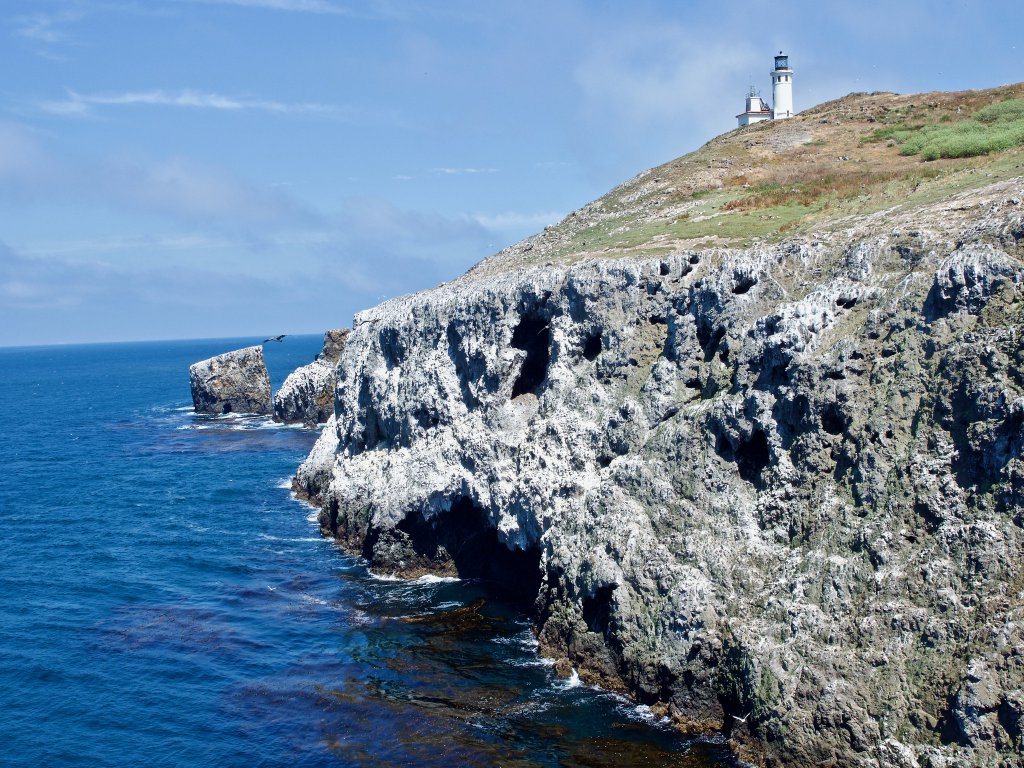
164, 601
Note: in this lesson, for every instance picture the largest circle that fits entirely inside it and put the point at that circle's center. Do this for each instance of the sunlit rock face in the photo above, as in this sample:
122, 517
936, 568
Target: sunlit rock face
234, 382
307, 394
773, 492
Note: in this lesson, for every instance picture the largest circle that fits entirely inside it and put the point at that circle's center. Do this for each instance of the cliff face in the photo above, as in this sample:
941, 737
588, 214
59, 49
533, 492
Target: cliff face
307, 394
773, 490
234, 382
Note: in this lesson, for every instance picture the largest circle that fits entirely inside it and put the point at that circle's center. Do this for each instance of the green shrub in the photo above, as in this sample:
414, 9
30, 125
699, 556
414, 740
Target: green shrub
991, 129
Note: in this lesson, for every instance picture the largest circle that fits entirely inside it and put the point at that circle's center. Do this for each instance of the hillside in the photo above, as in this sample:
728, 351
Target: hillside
773, 180
746, 436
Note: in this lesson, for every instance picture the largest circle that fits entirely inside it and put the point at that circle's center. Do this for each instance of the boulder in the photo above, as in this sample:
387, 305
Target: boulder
234, 382
307, 395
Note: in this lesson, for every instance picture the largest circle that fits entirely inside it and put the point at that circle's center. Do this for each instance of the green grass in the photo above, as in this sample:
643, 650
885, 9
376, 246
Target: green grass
994, 128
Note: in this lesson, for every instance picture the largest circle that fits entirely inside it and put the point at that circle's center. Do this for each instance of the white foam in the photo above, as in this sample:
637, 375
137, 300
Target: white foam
643, 712
182, 410
572, 681
430, 578
312, 517
385, 577
286, 483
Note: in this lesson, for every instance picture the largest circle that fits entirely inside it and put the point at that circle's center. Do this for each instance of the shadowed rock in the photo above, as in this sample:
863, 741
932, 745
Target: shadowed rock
234, 382
307, 395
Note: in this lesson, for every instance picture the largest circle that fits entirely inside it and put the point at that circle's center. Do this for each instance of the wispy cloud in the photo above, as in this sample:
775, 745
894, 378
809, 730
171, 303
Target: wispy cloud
174, 187
48, 28
666, 74
463, 171
84, 104
517, 221
302, 6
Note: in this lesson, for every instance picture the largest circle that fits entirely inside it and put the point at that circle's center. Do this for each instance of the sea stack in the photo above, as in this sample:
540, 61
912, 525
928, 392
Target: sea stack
307, 395
234, 382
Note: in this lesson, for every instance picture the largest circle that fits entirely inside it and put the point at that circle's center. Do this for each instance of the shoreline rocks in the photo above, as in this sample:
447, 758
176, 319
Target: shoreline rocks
233, 382
307, 394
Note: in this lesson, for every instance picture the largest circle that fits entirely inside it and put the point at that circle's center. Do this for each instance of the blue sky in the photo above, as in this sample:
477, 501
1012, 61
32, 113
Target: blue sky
208, 168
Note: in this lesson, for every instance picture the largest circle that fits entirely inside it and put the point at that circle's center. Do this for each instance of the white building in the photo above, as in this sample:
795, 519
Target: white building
756, 111
782, 96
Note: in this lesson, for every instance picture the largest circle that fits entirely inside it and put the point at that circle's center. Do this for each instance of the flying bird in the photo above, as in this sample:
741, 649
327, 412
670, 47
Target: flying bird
275, 338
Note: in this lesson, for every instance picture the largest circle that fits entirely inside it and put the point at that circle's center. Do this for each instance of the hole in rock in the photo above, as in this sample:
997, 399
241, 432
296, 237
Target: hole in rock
533, 336
657, 320
846, 302
694, 384
227, 408
604, 461
709, 341
592, 346
743, 283
752, 456
695, 258
832, 420
597, 609
472, 543
665, 268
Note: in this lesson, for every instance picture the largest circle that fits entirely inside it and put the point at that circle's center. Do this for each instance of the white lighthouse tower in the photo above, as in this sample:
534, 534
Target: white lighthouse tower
782, 88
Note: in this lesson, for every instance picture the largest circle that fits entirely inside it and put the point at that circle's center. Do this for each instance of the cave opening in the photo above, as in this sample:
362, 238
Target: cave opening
597, 609
533, 336
832, 420
710, 340
592, 346
227, 408
743, 283
465, 536
752, 456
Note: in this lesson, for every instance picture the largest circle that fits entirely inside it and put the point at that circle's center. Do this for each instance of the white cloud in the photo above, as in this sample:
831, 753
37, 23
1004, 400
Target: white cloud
83, 104
304, 6
662, 75
462, 171
517, 220
176, 187
47, 28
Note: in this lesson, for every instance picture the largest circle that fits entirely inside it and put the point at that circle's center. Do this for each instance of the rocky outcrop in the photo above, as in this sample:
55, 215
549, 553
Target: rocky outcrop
774, 492
234, 382
307, 395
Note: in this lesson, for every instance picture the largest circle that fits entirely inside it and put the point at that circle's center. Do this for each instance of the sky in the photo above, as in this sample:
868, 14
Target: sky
222, 168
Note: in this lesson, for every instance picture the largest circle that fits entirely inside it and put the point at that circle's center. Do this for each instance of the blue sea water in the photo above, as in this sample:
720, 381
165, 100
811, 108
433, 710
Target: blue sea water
164, 601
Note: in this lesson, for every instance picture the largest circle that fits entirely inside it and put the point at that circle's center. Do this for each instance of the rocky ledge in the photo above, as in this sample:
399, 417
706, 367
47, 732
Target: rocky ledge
774, 491
307, 394
234, 382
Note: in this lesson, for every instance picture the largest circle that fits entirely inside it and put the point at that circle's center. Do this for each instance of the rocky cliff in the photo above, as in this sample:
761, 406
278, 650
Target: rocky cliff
307, 394
762, 474
234, 382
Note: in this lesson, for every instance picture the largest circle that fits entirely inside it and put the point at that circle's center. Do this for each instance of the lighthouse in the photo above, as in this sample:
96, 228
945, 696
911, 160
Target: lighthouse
782, 88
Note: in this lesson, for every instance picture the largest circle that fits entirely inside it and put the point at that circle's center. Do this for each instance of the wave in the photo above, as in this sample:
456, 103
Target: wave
430, 578
286, 483
570, 682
